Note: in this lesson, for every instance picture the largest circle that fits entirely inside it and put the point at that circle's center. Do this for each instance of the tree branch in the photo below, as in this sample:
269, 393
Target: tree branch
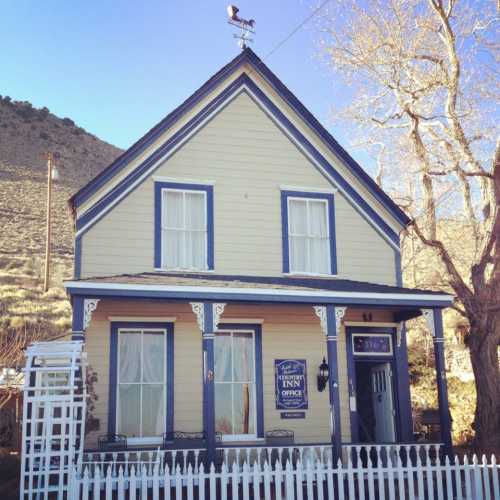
456, 281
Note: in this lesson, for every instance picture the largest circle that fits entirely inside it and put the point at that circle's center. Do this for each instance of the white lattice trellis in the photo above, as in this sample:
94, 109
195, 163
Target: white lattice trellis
53, 417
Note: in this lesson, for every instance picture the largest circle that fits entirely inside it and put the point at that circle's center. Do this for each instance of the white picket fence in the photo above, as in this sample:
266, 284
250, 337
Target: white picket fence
466, 480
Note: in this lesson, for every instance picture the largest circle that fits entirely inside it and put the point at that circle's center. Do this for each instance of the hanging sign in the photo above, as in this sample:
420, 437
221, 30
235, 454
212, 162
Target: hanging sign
291, 384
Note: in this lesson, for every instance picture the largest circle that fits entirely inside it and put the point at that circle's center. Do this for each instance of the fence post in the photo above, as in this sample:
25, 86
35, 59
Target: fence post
223, 481
495, 471
289, 488
201, 482
245, 482
267, 481
256, 479
477, 478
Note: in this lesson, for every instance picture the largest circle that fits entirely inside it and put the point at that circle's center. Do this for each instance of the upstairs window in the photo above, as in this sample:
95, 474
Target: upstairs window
184, 227
308, 233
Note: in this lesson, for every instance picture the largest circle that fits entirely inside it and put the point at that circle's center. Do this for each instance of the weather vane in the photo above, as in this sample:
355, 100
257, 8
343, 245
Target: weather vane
245, 27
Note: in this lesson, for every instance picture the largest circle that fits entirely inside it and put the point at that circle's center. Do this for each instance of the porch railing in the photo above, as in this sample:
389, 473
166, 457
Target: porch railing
357, 454
323, 481
410, 453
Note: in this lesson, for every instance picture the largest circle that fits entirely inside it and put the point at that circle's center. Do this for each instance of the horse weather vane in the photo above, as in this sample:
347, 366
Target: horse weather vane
245, 27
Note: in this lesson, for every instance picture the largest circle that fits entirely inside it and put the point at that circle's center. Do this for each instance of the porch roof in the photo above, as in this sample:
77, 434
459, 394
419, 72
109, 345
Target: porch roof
209, 286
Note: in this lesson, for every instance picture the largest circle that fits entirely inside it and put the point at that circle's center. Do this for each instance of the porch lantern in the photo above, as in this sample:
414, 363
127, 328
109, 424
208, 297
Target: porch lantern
323, 375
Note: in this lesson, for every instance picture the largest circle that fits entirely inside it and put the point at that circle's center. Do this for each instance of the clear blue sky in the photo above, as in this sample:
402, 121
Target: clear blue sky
117, 68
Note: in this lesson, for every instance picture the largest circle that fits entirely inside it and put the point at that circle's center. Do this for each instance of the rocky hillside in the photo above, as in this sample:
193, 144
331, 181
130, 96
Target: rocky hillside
26, 134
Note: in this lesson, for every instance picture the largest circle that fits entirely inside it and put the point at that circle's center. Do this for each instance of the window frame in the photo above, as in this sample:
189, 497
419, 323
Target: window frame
116, 328
256, 331
160, 188
329, 201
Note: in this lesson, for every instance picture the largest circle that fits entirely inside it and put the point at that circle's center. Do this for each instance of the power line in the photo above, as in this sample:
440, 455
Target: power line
297, 28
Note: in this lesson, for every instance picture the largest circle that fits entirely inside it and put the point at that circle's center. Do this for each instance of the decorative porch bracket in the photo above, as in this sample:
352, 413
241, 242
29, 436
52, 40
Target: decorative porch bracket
435, 324
82, 316
331, 321
208, 315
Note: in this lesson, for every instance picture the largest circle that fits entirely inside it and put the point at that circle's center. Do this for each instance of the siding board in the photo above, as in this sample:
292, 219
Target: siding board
287, 332
248, 158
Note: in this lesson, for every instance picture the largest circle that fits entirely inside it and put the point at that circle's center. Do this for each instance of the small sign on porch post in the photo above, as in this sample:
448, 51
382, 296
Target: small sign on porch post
291, 384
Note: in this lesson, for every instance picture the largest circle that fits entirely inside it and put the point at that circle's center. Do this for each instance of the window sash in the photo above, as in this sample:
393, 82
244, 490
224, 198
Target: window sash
309, 237
141, 384
233, 382
183, 230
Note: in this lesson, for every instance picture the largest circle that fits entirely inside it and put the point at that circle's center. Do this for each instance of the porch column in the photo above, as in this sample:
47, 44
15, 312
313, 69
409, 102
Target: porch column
331, 318
83, 308
208, 314
435, 323
403, 384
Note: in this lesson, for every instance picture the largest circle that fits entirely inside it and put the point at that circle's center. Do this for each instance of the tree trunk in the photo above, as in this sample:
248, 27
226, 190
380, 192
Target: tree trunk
483, 347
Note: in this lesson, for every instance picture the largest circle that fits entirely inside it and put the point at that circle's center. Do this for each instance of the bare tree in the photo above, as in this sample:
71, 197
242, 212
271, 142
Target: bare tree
424, 78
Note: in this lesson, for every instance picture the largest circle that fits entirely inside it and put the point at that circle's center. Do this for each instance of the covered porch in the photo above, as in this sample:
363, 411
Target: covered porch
358, 328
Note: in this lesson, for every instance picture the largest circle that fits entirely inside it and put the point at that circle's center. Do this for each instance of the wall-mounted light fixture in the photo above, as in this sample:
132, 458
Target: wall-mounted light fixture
322, 375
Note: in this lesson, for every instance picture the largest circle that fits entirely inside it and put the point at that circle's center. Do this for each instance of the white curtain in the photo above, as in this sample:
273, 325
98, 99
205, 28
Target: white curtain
243, 365
195, 231
234, 383
223, 357
184, 230
141, 390
154, 357
130, 357
129, 410
173, 225
318, 241
153, 409
297, 216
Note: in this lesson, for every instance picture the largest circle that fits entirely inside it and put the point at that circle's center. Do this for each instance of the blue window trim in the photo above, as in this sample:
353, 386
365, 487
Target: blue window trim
397, 389
259, 385
113, 371
331, 225
209, 190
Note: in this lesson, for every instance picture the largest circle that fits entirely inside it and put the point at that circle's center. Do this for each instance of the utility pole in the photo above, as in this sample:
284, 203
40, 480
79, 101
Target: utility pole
52, 175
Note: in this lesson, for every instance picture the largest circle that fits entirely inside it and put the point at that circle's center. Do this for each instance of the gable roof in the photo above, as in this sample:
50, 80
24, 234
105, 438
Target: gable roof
245, 57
